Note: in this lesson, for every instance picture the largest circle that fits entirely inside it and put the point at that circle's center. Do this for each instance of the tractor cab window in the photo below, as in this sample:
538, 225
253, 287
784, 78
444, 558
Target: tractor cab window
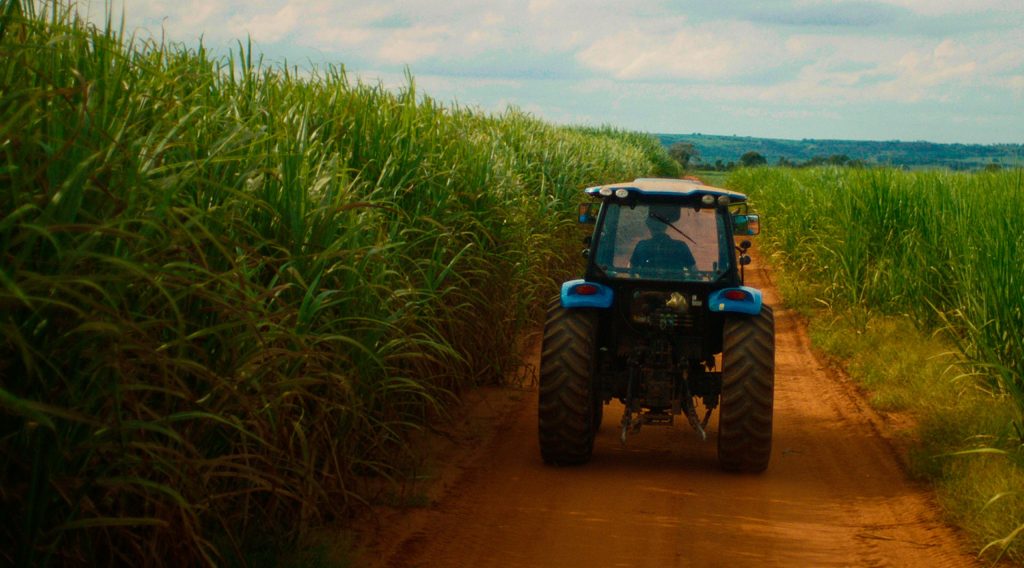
663, 241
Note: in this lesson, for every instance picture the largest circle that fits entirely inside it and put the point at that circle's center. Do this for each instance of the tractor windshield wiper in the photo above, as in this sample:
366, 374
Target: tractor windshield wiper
674, 228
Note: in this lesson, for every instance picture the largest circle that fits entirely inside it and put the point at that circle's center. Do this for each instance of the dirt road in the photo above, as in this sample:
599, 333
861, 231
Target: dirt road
835, 493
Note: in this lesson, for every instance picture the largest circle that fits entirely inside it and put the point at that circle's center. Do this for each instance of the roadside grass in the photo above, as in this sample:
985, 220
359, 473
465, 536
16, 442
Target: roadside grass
903, 369
958, 419
711, 177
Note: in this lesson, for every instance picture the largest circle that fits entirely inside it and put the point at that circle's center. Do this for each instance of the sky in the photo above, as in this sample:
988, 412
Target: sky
935, 70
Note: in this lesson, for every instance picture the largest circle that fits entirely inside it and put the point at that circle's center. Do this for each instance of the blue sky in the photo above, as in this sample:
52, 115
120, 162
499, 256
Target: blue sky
937, 70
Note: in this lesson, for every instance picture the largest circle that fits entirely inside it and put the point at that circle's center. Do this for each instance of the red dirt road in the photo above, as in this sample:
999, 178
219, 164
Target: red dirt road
835, 493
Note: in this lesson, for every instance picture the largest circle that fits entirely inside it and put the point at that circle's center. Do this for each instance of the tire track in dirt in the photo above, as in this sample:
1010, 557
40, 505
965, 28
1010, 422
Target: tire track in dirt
835, 492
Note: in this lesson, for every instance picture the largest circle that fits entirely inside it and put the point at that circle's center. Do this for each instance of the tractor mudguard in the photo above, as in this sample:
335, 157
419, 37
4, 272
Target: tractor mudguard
738, 300
582, 294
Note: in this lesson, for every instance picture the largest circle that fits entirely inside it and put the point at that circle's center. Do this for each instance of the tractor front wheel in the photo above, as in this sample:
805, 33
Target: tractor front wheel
568, 411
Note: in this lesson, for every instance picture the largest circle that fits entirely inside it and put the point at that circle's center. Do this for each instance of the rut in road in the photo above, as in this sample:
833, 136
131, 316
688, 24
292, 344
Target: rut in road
835, 492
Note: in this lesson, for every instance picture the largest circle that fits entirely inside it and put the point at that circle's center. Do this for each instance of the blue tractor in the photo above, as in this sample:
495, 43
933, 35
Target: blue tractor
662, 322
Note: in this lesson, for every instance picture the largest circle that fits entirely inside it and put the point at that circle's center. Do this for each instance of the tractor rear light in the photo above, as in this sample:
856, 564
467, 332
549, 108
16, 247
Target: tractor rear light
738, 295
586, 290
708, 200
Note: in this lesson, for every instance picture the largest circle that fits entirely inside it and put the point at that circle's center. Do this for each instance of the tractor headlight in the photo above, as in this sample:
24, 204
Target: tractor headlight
622, 193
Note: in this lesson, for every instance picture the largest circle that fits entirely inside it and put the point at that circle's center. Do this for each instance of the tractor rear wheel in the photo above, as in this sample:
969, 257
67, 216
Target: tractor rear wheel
568, 411
748, 391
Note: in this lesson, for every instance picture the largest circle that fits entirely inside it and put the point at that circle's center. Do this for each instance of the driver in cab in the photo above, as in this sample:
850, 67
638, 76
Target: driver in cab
662, 252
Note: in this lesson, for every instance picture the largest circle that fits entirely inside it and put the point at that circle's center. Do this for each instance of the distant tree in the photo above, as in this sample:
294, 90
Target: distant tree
683, 152
993, 167
752, 159
814, 161
838, 159
785, 162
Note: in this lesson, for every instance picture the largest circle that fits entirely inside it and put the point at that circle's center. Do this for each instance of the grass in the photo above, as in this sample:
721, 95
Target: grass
908, 280
712, 178
230, 292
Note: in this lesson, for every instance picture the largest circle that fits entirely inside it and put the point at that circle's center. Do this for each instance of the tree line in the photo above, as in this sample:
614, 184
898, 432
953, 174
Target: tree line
704, 151
689, 157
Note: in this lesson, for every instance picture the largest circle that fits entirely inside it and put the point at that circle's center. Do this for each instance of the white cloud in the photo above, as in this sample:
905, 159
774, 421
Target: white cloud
493, 19
266, 26
540, 6
840, 73
946, 63
337, 39
871, 70
1016, 84
398, 33
679, 51
946, 7
180, 20
784, 114
413, 44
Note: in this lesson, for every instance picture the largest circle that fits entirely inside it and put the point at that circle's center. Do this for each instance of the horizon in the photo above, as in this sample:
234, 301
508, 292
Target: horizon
859, 140
936, 71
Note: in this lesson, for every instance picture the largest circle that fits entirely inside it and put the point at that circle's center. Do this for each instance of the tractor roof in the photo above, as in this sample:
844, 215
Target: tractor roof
663, 187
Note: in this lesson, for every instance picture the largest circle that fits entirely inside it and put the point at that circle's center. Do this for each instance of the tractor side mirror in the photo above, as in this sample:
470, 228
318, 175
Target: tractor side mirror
746, 224
588, 212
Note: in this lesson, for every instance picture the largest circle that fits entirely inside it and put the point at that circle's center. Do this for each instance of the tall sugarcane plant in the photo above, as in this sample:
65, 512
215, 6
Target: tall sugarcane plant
940, 246
230, 290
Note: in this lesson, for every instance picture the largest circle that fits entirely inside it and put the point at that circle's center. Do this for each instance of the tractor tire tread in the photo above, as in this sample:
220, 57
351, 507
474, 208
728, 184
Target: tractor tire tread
566, 412
748, 390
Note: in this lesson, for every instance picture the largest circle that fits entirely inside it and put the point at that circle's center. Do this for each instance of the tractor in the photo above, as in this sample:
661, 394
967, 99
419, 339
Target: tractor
660, 321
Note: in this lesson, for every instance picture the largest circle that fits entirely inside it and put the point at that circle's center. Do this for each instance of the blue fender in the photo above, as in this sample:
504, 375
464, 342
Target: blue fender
583, 294
749, 303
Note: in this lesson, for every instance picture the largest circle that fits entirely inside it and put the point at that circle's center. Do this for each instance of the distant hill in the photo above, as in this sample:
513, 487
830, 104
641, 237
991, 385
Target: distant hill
713, 148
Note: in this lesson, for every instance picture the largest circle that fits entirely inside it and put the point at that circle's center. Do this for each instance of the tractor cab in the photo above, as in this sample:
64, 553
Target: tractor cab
666, 231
